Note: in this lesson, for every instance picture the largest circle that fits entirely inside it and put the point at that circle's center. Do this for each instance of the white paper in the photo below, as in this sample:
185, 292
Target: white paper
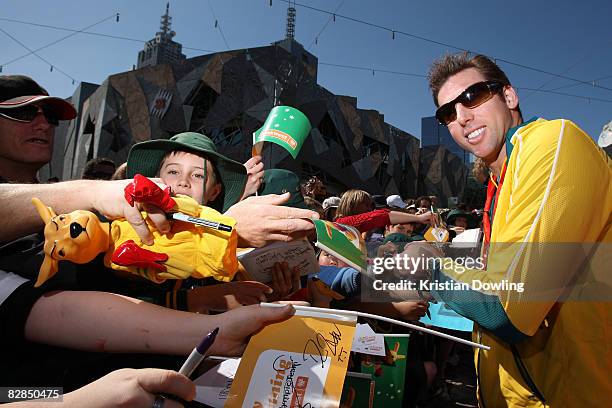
259, 262
468, 238
213, 386
366, 341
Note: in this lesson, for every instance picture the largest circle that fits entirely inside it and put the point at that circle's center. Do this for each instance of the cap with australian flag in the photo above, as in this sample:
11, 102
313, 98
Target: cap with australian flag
286, 126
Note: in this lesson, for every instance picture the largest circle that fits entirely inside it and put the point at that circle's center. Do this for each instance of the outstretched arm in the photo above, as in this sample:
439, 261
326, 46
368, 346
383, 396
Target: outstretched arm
107, 197
108, 322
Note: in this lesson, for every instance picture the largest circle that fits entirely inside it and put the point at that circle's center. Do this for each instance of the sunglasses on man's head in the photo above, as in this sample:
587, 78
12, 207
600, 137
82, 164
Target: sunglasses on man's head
472, 97
26, 114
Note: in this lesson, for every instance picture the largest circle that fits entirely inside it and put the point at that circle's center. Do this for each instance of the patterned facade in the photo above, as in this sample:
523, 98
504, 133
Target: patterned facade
227, 96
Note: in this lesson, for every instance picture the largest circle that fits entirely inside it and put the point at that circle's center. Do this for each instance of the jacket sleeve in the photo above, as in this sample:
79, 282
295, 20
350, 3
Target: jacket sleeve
366, 221
551, 212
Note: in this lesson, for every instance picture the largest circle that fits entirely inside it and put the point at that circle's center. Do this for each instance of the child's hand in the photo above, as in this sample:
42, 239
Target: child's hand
458, 230
317, 298
226, 296
236, 326
284, 281
428, 218
409, 310
255, 173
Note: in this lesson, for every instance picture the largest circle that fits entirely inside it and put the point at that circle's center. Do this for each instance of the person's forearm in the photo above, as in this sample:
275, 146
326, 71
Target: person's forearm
18, 214
105, 322
397, 217
380, 308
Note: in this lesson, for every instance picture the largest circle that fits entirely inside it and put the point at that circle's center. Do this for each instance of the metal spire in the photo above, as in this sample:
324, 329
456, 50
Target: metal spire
290, 33
166, 24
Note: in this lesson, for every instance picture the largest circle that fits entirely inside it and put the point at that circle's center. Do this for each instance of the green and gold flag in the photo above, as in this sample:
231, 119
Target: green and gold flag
343, 242
285, 126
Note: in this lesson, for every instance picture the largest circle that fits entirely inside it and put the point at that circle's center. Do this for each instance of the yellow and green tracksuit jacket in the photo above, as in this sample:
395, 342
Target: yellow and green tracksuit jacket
551, 344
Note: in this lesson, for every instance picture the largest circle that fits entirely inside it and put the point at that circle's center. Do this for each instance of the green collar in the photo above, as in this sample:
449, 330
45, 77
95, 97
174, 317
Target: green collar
511, 132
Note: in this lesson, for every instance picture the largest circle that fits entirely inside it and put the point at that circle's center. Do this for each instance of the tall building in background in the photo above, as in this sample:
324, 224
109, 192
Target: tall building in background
161, 49
228, 95
433, 134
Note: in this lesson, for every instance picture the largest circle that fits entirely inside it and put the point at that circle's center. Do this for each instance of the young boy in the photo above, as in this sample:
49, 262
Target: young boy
190, 164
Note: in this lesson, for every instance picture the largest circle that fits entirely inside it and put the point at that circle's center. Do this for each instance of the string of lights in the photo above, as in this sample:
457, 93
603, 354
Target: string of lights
218, 25
72, 34
373, 70
315, 40
39, 57
116, 37
395, 32
572, 85
409, 74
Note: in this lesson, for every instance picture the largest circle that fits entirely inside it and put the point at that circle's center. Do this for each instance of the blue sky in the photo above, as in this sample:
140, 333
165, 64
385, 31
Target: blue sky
564, 37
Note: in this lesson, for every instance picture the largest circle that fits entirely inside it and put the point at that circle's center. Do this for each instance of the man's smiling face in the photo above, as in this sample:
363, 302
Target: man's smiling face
480, 130
30, 143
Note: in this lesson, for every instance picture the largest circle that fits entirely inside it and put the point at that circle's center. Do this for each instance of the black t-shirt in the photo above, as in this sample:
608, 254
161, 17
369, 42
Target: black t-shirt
17, 297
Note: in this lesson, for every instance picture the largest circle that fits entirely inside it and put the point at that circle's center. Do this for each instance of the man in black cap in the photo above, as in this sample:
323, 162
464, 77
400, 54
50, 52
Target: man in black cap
28, 117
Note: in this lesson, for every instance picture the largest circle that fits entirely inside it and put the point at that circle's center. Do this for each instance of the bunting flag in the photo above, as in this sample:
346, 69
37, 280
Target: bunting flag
300, 362
160, 103
285, 126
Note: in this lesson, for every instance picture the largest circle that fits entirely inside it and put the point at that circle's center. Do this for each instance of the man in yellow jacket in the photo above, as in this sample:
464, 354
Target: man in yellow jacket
543, 302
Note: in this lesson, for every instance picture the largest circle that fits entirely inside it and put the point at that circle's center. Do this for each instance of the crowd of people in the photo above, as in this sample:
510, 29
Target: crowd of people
113, 337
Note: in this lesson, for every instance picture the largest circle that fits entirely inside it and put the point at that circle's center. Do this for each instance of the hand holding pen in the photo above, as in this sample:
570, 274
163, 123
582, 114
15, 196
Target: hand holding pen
198, 354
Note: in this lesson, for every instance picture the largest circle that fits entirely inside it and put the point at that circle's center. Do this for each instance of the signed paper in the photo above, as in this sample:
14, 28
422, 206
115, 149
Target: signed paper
300, 362
366, 341
259, 262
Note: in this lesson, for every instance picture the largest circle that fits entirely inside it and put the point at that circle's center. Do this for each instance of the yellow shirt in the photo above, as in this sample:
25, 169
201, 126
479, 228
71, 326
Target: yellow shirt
551, 232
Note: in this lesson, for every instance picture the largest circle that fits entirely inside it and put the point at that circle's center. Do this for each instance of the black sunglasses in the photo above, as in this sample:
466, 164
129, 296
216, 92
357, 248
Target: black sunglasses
472, 97
26, 114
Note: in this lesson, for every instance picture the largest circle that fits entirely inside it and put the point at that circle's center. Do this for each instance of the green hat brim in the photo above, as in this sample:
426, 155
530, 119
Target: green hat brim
146, 157
450, 218
280, 181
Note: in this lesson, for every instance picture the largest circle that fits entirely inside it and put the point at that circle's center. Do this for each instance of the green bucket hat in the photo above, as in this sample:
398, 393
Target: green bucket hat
280, 181
450, 218
146, 157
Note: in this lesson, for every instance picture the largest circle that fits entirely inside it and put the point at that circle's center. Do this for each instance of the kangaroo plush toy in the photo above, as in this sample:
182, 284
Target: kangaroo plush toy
187, 250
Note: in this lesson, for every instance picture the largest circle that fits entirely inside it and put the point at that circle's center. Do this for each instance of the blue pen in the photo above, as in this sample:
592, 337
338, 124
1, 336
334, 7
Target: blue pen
198, 354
